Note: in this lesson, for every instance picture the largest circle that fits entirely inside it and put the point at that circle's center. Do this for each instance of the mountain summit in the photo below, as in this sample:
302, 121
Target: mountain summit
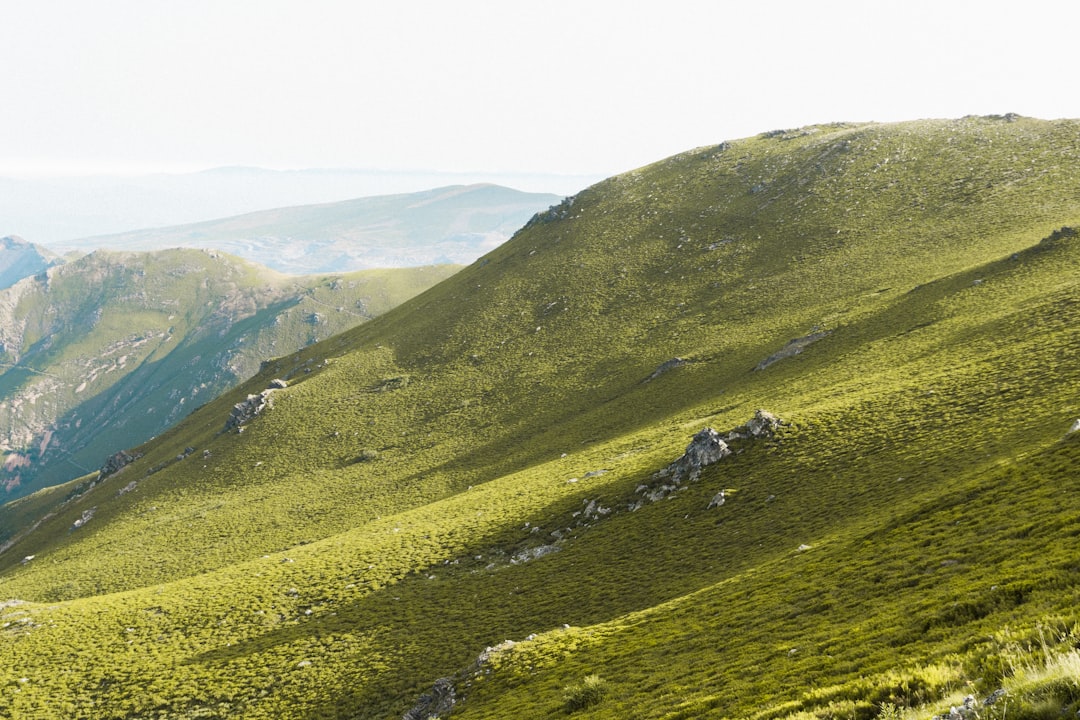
774, 428
19, 259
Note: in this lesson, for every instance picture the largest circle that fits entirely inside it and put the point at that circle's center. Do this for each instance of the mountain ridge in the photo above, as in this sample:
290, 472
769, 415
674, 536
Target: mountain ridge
112, 335
19, 259
446, 225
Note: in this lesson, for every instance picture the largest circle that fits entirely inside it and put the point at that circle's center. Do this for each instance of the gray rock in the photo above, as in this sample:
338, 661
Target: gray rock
665, 367
85, 518
278, 384
764, 423
116, 462
1075, 427
704, 449
717, 500
533, 553
793, 347
435, 704
247, 409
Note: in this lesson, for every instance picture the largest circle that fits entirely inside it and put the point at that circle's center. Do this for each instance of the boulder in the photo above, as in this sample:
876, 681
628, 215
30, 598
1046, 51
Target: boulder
705, 448
764, 423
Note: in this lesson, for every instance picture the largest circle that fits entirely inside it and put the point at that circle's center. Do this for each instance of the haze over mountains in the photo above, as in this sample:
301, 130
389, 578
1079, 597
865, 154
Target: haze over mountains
784, 427
446, 225
55, 210
88, 345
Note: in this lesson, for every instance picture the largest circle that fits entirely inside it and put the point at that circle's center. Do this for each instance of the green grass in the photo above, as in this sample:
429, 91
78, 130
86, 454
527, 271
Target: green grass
907, 538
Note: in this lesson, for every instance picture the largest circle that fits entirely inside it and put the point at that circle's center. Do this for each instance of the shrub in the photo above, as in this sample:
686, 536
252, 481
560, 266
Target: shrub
585, 694
367, 455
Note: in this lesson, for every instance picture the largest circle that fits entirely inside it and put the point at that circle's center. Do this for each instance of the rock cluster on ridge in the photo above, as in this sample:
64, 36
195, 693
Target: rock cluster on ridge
706, 448
115, 462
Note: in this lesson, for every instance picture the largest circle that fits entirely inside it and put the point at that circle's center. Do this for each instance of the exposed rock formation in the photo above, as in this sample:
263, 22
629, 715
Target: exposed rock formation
435, 704
666, 366
793, 347
84, 518
116, 462
706, 448
247, 409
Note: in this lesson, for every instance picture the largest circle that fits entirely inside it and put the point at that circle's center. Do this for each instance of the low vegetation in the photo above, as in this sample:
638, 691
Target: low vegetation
455, 494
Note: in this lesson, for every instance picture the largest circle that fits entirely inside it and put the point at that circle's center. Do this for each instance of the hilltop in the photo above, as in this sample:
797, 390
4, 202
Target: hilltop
448, 225
108, 350
19, 259
477, 505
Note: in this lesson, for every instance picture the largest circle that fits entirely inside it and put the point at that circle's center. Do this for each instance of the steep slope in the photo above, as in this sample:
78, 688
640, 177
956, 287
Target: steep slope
107, 351
447, 225
19, 259
487, 462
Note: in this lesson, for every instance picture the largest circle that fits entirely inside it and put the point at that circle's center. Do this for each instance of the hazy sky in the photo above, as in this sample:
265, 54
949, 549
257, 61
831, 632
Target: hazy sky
581, 87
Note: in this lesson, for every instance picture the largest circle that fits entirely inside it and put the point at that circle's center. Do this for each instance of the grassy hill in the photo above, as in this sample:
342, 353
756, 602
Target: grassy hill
108, 350
466, 496
447, 225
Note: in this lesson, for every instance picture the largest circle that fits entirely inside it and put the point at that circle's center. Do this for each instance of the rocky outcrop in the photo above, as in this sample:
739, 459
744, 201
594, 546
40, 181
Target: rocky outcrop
1063, 233
793, 347
116, 462
247, 409
435, 704
666, 366
86, 517
706, 447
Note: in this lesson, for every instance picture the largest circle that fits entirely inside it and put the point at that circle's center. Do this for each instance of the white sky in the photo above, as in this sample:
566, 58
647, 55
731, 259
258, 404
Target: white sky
575, 87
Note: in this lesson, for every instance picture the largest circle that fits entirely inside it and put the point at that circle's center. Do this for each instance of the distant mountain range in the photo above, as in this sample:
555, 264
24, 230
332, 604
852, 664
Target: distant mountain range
55, 210
447, 225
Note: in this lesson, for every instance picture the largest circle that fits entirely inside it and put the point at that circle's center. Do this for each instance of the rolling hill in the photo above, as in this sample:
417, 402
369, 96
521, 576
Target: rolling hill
110, 349
500, 498
447, 225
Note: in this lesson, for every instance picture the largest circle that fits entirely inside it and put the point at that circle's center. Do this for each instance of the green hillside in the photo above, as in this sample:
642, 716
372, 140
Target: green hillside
461, 508
107, 351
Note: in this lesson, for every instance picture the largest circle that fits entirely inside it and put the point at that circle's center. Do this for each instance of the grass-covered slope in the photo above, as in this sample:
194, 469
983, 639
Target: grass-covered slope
477, 465
107, 351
